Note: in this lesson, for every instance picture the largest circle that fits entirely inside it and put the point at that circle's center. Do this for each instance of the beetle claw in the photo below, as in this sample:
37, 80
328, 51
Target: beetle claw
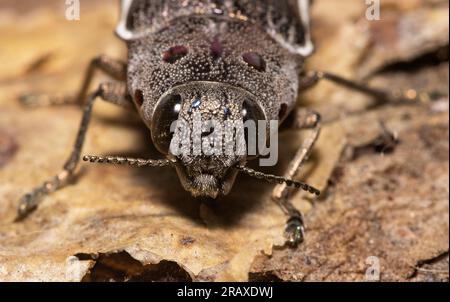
294, 232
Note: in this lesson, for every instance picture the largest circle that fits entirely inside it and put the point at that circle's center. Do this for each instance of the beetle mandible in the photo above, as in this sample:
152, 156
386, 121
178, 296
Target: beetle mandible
246, 57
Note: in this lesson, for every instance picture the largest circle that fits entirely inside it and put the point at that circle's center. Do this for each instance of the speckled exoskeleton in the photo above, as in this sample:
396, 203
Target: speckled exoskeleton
225, 59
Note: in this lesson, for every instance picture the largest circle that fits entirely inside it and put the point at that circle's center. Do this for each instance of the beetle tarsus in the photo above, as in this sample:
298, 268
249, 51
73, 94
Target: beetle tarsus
294, 231
42, 100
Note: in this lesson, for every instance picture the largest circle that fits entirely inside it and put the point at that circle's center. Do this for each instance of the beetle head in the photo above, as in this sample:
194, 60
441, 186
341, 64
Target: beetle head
197, 126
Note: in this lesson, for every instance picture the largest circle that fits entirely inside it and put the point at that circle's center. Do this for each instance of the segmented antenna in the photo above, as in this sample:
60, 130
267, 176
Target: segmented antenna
128, 161
278, 179
165, 162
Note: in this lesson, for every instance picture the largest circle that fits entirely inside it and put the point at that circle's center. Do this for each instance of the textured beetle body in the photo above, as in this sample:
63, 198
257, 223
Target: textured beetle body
225, 62
215, 55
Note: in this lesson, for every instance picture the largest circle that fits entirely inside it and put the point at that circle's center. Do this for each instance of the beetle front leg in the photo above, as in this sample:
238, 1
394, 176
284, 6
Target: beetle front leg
295, 226
112, 67
115, 93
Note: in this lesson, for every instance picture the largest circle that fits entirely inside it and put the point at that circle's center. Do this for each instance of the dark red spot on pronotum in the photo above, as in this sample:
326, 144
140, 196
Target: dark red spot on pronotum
216, 48
139, 97
255, 60
175, 53
282, 112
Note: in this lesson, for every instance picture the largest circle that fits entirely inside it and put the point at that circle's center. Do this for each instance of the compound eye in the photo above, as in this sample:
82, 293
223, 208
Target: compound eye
251, 112
166, 112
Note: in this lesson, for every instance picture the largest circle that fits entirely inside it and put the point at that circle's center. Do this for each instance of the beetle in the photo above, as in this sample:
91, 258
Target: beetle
246, 57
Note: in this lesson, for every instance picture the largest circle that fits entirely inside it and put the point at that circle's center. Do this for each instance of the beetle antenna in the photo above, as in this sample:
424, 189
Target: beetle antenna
278, 179
138, 162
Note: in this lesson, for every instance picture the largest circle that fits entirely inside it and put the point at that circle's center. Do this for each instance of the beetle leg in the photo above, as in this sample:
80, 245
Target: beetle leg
295, 227
109, 92
114, 68
382, 96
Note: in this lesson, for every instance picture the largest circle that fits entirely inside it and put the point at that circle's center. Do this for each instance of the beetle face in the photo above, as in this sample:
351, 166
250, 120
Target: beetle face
204, 141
